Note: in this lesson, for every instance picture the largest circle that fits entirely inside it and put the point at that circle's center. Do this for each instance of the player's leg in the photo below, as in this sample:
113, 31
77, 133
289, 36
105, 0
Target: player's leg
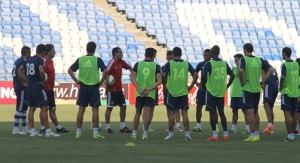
109, 108
286, 107
247, 126
200, 102
82, 102
148, 115
95, 103
139, 104
18, 113
183, 104
256, 114
171, 123
220, 108
235, 115
120, 100
177, 121
211, 108
267, 105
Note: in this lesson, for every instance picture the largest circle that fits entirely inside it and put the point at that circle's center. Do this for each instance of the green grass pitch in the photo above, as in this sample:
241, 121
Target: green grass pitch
20, 148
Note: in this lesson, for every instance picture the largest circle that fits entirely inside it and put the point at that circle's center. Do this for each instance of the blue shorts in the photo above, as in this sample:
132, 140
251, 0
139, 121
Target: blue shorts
214, 103
270, 94
250, 100
201, 94
21, 105
176, 103
36, 96
142, 102
88, 95
288, 103
236, 103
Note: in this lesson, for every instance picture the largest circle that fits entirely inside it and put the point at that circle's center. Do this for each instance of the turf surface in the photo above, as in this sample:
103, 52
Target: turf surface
19, 148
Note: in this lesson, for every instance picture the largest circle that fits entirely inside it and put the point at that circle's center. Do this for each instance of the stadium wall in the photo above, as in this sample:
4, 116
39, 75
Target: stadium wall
69, 91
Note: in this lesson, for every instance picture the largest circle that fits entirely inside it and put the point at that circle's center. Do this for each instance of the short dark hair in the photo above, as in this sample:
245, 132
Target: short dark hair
177, 52
24, 50
248, 47
207, 51
169, 52
49, 47
287, 51
150, 52
91, 47
215, 50
40, 48
239, 55
115, 50
298, 60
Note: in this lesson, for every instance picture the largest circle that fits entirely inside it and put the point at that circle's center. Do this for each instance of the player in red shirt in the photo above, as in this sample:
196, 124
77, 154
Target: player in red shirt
49, 86
115, 94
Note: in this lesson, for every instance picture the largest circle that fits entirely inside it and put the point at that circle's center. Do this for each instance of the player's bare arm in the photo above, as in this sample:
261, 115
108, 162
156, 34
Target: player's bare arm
21, 75
134, 82
42, 73
241, 75
282, 78
158, 82
230, 80
195, 77
71, 73
268, 74
103, 77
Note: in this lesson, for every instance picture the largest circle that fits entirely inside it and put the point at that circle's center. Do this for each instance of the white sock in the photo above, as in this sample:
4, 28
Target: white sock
134, 132
225, 133
247, 127
256, 133
215, 134
253, 134
122, 125
233, 127
199, 125
217, 126
16, 128
145, 133
59, 126
107, 126
270, 124
43, 127
187, 134
177, 125
32, 130
78, 131
171, 134
290, 136
95, 130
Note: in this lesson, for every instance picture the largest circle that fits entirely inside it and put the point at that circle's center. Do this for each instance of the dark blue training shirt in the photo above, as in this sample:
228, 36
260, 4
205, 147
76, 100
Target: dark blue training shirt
17, 84
200, 68
273, 78
32, 70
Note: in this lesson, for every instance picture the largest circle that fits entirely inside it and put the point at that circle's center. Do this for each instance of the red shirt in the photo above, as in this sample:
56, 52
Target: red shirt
50, 71
114, 68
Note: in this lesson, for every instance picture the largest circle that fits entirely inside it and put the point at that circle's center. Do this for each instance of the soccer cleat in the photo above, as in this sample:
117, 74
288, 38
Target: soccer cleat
145, 137
288, 139
169, 137
35, 133
77, 136
133, 137
246, 132
109, 131
51, 134
257, 137
251, 139
267, 129
225, 138
213, 138
188, 138
232, 130
125, 130
15, 132
24, 131
98, 136
297, 133
196, 129
62, 130
178, 129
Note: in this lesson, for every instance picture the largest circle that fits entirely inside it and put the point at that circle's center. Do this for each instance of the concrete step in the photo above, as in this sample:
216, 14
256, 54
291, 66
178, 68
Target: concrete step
139, 35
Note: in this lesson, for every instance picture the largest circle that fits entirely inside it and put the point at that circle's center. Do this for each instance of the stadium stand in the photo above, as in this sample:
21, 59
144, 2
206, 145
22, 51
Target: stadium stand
193, 25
